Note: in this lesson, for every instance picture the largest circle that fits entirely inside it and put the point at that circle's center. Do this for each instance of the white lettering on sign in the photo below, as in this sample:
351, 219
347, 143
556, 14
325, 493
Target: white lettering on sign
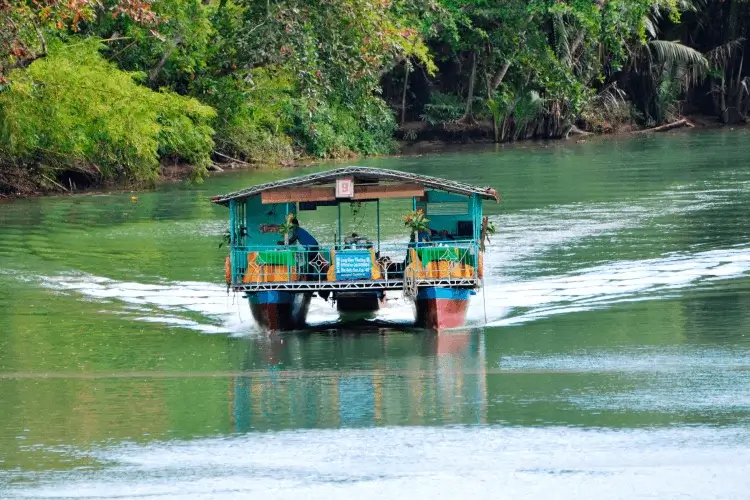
345, 188
352, 265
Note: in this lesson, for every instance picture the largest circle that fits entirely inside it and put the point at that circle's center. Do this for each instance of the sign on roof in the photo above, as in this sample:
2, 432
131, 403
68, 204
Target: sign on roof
345, 187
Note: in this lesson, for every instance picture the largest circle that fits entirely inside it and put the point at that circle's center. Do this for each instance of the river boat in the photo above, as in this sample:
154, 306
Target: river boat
438, 266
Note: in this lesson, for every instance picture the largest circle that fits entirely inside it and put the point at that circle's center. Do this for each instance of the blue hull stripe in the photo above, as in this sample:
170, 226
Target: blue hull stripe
272, 297
444, 293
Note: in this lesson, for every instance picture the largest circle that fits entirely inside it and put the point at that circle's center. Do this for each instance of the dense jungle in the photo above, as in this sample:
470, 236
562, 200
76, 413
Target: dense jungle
100, 92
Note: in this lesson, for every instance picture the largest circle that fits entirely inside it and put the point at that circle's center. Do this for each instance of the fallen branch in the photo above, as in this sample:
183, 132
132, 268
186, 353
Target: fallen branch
56, 183
668, 126
576, 131
233, 159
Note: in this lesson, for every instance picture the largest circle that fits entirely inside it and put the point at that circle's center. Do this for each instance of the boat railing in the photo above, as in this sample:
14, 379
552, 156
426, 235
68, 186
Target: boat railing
387, 266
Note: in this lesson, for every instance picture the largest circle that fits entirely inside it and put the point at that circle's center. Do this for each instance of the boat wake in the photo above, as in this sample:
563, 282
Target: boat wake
528, 268
209, 308
602, 286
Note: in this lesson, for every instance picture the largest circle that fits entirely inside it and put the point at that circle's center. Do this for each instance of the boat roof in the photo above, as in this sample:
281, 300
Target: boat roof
362, 175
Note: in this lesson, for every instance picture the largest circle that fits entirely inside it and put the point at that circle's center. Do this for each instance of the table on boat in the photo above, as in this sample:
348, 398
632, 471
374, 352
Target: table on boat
436, 253
280, 257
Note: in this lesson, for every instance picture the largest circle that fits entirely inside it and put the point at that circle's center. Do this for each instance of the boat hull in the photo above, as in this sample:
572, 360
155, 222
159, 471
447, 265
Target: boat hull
442, 308
279, 311
363, 302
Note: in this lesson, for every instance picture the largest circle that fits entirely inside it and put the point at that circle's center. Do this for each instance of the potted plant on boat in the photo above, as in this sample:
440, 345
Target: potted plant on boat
287, 228
417, 222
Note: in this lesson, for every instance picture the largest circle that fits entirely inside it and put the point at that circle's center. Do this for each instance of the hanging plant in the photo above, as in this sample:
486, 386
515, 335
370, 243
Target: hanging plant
356, 209
287, 228
417, 223
226, 239
488, 229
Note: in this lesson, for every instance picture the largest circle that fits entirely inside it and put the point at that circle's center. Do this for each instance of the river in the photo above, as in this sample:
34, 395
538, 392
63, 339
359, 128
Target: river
607, 356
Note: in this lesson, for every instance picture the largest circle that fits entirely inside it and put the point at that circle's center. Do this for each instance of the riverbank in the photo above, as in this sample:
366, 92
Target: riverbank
423, 139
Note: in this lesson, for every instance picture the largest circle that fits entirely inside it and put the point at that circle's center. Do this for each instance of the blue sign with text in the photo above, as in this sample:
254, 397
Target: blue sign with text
353, 265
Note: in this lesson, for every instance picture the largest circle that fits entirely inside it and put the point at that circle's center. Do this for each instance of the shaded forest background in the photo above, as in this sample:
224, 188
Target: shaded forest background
93, 92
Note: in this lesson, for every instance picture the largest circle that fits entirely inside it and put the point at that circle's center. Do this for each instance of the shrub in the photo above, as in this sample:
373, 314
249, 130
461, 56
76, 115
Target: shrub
252, 114
443, 108
75, 111
335, 130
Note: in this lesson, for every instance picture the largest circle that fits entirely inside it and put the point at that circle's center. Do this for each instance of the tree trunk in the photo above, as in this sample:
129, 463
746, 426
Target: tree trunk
739, 111
498, 78
493, 110
407, 70
160, 65
468, 115
722, 99
577, 43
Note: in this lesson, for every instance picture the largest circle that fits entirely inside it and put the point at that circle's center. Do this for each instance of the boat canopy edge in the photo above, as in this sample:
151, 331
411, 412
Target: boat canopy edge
362, 174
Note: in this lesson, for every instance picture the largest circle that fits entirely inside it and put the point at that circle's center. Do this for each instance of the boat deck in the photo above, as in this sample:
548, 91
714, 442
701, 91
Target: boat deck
383, 284
259, 269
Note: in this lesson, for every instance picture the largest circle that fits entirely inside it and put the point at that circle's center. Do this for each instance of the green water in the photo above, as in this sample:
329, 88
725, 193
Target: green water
608, 355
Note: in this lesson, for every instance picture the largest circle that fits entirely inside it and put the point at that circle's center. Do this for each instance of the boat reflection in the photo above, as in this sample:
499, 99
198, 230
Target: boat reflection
381, 378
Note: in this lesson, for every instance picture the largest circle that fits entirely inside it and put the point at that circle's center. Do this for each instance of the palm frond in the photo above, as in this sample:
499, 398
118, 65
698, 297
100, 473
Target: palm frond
721, 55
661, 7
610, 97
690, 5
528, 106
562, 39
674, 54
745, 85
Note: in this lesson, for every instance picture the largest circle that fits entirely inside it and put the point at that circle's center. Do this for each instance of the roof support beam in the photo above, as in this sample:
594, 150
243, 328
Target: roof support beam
324, 193
292, 194
379, 192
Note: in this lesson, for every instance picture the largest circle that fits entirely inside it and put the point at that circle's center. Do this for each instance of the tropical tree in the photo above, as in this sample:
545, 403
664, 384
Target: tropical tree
24, 24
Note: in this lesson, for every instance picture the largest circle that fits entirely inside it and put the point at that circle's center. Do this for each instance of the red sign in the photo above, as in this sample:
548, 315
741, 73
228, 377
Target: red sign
345, 188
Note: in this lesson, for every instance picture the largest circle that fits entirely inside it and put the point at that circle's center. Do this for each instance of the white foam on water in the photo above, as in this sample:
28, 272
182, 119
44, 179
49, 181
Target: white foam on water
607, 284
169, 302
508, 297
428, 462
586, 289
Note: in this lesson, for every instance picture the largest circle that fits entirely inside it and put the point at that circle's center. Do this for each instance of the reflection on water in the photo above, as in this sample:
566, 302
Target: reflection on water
615, 363
410, 379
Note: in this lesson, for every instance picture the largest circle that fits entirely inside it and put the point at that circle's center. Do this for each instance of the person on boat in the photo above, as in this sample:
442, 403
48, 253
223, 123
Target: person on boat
427, 235
445, 235
312, 247
302, 237
433, 235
